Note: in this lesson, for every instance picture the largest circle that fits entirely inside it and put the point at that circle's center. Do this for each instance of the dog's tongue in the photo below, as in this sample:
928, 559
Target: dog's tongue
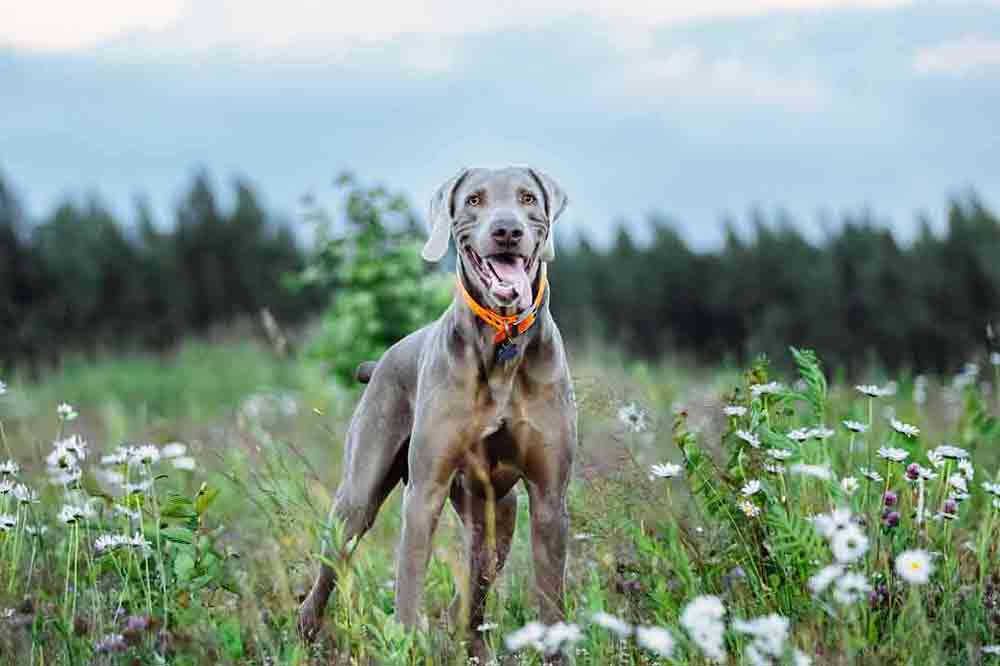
511, 281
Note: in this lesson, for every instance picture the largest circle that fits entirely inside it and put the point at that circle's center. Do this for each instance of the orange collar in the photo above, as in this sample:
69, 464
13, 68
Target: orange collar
503, 324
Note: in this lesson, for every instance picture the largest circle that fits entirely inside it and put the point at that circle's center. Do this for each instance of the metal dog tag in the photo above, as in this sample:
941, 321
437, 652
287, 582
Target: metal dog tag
507, 351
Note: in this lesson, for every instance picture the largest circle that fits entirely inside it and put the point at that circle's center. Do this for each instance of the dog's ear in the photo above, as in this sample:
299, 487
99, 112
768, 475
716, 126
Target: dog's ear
555, 203
440, 216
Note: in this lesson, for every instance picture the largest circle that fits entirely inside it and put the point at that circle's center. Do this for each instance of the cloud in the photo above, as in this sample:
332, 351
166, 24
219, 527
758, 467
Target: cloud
688, 77
959, 57
57, 25
315, 25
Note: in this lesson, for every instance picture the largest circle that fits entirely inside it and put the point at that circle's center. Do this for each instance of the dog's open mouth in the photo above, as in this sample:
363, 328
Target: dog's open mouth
505, 276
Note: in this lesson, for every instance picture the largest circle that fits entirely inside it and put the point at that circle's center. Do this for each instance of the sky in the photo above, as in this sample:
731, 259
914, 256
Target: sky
701, 112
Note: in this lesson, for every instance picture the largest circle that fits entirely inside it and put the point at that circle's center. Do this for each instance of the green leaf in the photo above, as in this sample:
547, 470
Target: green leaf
178, 535
177, 506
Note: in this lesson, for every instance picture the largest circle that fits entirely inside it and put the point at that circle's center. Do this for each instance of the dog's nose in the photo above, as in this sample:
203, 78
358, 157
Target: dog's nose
507, 231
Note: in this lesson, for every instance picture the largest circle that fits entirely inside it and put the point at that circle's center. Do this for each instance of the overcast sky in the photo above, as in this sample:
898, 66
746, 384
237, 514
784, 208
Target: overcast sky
811, 106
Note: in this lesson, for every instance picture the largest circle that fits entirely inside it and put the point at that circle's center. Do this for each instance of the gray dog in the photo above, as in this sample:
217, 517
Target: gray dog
468, 406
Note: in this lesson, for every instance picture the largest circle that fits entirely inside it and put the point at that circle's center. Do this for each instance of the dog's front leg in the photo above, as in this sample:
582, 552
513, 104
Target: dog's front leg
422, 504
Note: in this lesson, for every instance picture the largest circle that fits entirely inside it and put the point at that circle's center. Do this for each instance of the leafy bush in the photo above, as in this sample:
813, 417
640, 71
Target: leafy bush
382, 288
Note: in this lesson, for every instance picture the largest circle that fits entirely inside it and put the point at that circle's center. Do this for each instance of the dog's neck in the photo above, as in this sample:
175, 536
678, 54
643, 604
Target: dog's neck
472, 330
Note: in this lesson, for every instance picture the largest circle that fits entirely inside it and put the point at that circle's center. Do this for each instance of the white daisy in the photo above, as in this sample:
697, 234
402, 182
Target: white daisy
872, 391
849, 484
829, 524
765, 389
612, 623
25, 495
949, 452
734, 410
779, 454
7, 522
958, 482
855, 426
184, 462
821, 433
9, 468
935, 458
800, 658
173, 450
966, 469
850, 588
848, 544
892, 453
61, 457
823, 578
108, 542
702, 619
137, 488
6, 487
914, 566
66, 412
655, 639
530, 635
749, 438
65, 477
991, 649
632, 417
904, 428
752, 487
560, 635
665, 471
119, 456
769, 633
774, 468
146, 454
749, 509
992, 488
70, 514
799, 435
817, 471
36, 531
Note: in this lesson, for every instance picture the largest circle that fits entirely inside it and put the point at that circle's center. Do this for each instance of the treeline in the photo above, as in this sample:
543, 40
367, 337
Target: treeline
858, 298
81, 281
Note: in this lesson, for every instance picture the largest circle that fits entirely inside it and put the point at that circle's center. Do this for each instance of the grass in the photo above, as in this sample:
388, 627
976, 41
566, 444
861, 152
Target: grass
221, 554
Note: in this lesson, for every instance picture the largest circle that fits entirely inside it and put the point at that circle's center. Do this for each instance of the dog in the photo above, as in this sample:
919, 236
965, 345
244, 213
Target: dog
468, 406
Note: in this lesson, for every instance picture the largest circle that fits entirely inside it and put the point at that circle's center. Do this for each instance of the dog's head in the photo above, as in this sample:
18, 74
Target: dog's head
501, 221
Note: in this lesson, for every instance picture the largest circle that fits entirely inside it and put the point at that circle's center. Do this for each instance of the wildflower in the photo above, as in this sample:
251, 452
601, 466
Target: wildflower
66, 412
530, 635
873, 391
904, 428
935, 458
119, 456
36, 531
996, 502
818, 471
734, 410
871, 474
9, 468
992, 488
966, 469
827, 525
559, 635
890, 518
749, 509
6, 487
848, 544
823, 578
186, 463
821, 433
147, 454
655, 639
890, 498
612, 623
779, 454
914, 566
800, 658
139, 541
855, 426
111, 643
632, 417
25, 495
892, 453
958, 482
173, 450
769, 633
765, 389
62, 456
749, 438
849, 484
950, 508
799, 435
774, 468
992, 649
949, 452
7, 522
70, 514
137, 488
702, 620
109, 542
752, 487
125, 511
665, 471
66, 477
850, 588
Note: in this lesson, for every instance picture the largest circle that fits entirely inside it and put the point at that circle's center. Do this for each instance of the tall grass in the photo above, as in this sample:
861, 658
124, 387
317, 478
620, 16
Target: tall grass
173, 515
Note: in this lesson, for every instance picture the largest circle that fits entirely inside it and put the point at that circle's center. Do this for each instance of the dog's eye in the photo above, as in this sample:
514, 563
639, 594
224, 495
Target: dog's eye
473, 200
528, 199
